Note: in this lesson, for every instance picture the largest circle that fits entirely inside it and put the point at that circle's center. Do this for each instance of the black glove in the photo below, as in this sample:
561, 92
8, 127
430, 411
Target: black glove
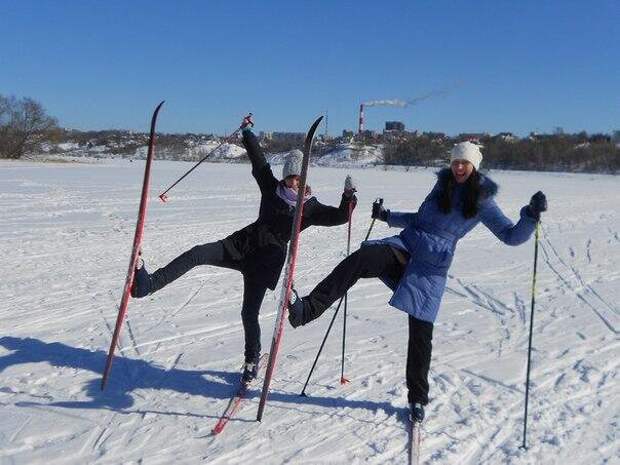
247, 122
538, 204
378, 212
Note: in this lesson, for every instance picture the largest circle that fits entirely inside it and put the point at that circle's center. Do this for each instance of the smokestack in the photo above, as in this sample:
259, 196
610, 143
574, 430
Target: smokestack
361, 122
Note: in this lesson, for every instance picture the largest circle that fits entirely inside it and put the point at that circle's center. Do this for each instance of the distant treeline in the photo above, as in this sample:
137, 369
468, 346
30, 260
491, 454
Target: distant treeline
559, 152
26, 128
595, 153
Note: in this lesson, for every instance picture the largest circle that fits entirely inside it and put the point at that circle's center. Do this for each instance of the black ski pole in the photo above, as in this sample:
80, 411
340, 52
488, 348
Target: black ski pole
163, 196
316, 359
329, 328
372, 223
529, 349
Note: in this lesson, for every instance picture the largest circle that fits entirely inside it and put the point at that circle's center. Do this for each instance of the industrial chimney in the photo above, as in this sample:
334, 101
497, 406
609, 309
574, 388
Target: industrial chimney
361, 122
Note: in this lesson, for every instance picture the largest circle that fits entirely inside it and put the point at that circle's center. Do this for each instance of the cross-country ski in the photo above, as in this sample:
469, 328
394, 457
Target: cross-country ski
135, 250
237, 399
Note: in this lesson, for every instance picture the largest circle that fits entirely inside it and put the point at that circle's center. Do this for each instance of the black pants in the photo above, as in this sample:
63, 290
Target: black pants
214, 254
371, 262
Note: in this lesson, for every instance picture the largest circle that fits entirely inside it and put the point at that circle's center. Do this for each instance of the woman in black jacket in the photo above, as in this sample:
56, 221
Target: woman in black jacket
258, 251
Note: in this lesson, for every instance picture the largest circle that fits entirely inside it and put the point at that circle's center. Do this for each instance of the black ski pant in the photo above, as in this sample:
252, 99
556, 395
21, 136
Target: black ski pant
214, 254
372, 261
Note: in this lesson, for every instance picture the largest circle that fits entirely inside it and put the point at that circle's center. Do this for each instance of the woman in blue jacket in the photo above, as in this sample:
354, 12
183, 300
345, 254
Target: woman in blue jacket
414, 264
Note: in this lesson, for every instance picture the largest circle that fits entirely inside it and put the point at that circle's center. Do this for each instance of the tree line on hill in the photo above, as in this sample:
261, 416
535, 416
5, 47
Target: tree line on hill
558, 152
25, 126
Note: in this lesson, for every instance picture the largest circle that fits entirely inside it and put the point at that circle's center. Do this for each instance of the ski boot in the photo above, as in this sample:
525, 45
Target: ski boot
416, 412
295, 310
141, 286
250, 371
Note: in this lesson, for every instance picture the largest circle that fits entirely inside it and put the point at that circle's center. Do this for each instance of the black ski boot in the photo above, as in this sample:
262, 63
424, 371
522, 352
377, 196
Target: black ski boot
416, 412
250, 371
296, 310
141, 286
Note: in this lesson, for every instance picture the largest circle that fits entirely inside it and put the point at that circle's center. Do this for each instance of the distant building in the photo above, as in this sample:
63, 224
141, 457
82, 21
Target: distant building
434, 136
347, 134
472, 136
265, 135
394, 126
507, 136
540, 137
367, 133
616, 138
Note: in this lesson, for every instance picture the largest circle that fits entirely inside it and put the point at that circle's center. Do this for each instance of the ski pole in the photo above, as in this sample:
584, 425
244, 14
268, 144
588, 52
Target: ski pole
529, 349
163, 196
344, 380
329, 328
316, 359
372, 223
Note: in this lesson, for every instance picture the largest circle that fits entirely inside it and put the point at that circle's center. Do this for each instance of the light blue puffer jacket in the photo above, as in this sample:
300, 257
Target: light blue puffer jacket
430, 237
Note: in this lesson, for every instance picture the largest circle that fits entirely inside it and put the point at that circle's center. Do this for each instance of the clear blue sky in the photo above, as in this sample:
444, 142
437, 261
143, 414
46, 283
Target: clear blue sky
507, 65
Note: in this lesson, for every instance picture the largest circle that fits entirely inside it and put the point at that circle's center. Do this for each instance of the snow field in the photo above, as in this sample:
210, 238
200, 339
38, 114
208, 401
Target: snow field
65, 238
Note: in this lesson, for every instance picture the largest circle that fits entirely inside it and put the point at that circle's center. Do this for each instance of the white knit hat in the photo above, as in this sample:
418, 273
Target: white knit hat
467, 151
292, 164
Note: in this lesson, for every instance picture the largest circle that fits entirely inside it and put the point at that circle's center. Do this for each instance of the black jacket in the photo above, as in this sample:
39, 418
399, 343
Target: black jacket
259, 249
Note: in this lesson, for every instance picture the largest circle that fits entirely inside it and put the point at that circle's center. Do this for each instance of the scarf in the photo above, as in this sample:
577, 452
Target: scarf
290, 195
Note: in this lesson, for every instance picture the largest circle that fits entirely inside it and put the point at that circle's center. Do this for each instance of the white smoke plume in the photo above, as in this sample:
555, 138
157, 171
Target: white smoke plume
386, 103
404, 103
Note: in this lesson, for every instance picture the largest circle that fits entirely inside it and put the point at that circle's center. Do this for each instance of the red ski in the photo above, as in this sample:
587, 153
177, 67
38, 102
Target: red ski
135, 252
291, 261
415, 439
235, 401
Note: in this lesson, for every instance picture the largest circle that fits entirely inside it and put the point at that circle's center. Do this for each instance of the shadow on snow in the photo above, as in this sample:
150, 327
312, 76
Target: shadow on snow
130, 374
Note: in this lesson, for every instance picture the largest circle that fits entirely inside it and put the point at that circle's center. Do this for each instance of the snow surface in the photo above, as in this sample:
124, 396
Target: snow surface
65, 237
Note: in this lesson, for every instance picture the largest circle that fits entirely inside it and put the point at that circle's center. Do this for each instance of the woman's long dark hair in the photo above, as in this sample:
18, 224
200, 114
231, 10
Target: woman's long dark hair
470, 200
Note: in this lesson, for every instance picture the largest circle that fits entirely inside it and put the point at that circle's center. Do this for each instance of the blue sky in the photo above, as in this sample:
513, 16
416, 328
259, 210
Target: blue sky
515, 66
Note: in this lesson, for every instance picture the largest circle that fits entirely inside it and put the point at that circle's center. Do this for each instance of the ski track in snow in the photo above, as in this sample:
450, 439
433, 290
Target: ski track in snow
66, 235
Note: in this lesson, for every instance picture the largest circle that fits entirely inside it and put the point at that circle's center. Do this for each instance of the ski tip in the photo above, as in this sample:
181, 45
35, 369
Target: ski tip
316, 123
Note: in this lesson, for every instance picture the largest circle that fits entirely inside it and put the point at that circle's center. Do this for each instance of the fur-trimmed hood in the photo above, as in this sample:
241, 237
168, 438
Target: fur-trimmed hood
488, 188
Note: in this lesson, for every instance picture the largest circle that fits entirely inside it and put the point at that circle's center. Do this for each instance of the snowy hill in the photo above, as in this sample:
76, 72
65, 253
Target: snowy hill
65, 237
192, 149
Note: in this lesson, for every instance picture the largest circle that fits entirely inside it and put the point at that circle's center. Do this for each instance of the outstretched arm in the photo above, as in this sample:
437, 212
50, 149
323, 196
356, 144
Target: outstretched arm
504, 229
332, 216
400, 219
260, 168
326, 215
393, 219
